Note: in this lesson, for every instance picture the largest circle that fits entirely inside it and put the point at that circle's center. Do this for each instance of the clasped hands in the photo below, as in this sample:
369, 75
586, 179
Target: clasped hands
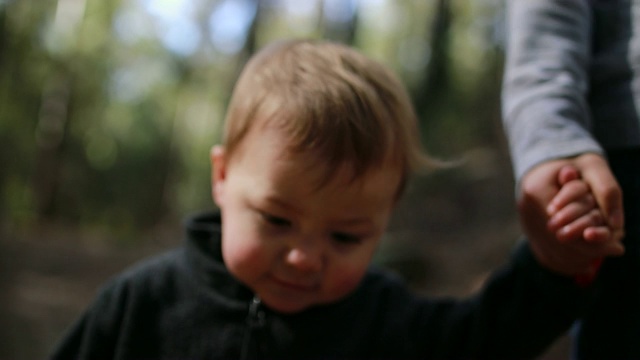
571, 211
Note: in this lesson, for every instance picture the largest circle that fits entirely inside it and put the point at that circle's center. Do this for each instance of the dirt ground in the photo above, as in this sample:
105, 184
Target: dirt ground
48, 275
46, 282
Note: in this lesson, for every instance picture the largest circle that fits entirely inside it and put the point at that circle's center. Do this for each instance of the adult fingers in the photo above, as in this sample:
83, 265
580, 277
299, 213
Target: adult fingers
595, 172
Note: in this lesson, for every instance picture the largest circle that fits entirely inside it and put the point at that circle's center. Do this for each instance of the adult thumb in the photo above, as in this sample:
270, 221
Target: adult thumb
597, 174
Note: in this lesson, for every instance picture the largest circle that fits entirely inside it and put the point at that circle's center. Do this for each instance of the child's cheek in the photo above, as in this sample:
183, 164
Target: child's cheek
243, 257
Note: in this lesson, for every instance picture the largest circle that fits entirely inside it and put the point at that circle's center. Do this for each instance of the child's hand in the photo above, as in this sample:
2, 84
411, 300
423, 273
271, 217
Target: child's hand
573, 211
575, 216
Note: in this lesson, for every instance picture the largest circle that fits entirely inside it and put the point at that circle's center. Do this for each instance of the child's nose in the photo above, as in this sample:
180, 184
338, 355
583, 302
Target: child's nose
305, 256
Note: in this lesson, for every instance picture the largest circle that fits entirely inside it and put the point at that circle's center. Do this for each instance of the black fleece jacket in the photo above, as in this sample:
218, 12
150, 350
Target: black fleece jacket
186, 305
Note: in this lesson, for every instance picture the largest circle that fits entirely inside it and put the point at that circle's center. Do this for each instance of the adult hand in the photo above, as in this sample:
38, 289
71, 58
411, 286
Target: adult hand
595, 171
537, 189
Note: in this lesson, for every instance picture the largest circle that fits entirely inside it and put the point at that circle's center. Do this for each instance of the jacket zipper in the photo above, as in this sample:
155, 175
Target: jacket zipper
255, 321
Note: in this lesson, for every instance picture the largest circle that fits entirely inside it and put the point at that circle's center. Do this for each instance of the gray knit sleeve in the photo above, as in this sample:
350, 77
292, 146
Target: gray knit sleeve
544, 108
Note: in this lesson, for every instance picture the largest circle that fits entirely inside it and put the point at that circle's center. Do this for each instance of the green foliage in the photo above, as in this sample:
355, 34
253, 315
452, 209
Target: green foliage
104, 121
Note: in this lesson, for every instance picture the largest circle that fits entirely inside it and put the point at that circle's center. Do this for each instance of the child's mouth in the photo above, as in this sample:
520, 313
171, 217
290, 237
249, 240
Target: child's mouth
293, 285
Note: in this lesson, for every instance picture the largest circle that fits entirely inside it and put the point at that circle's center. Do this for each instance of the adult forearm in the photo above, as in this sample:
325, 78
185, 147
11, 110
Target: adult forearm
546, 78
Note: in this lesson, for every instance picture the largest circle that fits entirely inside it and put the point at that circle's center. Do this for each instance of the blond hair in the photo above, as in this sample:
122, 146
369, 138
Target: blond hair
333, 102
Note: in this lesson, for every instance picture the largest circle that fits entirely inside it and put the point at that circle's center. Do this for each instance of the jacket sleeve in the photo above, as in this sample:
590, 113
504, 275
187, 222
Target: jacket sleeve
95, 334
545, 112
520, 312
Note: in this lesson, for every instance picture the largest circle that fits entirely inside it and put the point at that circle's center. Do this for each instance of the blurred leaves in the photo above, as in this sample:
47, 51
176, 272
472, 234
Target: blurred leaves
108, 108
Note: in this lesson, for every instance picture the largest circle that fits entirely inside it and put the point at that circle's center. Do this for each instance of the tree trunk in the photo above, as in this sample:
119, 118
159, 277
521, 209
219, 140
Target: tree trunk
436, 78
50, 134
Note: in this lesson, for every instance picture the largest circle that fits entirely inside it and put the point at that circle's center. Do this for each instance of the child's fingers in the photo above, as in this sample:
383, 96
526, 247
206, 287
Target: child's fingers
570, 192
597, 233
575, 229
572, 212
567, 173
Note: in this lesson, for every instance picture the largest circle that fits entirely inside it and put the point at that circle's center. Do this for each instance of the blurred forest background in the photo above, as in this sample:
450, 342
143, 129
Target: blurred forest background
108, 110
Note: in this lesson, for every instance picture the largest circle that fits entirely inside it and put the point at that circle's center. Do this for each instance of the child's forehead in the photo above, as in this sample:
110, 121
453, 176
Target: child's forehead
329, 169
298, 176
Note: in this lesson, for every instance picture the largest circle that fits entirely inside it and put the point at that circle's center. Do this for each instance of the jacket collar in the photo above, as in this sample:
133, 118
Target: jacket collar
204, 257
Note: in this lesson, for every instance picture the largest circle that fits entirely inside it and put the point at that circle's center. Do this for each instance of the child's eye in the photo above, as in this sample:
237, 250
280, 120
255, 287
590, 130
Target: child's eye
344, 238
276, 220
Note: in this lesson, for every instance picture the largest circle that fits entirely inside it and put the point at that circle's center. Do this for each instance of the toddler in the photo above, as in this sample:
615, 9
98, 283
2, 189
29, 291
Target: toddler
318, 145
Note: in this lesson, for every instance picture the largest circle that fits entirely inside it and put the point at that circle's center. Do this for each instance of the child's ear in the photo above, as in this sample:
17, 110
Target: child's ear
218, 173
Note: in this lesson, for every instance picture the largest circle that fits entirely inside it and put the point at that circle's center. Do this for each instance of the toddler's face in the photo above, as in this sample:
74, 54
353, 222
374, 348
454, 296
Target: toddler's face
293, 244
